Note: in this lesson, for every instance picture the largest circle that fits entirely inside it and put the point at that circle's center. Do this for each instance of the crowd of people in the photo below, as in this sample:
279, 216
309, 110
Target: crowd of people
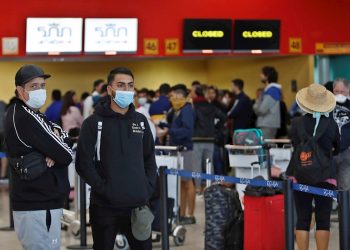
117, 122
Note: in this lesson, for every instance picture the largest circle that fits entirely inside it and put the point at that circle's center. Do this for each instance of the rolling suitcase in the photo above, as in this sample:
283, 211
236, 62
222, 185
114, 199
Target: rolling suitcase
264, 223
223, 212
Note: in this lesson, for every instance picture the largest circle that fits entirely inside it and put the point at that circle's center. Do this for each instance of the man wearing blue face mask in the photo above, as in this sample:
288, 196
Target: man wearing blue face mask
39, 155
115, 156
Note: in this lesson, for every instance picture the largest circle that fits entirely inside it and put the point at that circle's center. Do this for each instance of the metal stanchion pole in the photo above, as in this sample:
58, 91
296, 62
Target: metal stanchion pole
268, 160
83, 238
288, 214
11, 226
344, 220
208, 170
164, 227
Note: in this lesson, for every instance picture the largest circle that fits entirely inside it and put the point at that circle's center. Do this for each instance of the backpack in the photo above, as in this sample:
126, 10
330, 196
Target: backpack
312, 164
250, 137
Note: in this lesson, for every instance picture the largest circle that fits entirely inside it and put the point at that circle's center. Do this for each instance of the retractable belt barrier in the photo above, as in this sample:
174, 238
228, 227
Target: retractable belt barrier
287, 186
253, 182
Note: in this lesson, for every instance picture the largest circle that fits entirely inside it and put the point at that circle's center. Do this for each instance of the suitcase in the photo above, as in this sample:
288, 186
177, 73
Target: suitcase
264, 223
222, 205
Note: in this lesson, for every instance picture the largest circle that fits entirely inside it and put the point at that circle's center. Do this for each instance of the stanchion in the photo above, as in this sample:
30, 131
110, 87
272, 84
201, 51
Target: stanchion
288, 214
11, 226
268, 159
344, 220
164, 228
208, 169
83, 238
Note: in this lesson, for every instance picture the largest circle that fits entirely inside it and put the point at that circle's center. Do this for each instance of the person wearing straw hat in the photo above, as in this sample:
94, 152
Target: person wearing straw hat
317, 124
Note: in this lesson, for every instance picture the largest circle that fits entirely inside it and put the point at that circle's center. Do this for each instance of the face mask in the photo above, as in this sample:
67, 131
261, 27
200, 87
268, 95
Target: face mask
178, 103
142, 101
225, 101
123, 98
340, 98
37, 98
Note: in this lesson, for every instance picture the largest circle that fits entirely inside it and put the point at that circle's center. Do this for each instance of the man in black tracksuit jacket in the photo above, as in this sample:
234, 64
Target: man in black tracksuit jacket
37, 203
124, 178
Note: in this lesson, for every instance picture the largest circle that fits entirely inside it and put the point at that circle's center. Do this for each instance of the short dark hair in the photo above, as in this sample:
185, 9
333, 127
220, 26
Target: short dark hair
196, 83
118, 70
104, 88
84, 96
98, 82
239, 83
180, 88
151, 93
271, 74
199, 91
143, 90
56, 94
164, 89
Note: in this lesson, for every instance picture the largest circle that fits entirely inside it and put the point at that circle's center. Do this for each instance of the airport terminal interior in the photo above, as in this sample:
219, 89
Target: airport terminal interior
216, 125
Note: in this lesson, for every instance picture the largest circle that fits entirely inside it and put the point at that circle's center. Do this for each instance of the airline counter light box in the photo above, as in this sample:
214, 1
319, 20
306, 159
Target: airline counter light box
110, 35
207, 35
54, 36
256, 36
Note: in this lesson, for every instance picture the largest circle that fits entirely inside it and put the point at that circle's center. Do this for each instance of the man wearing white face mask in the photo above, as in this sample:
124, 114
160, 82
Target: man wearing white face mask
39, 155
341, 115
116, 157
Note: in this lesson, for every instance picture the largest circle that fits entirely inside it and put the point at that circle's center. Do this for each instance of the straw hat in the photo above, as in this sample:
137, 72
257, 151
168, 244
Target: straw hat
315, 98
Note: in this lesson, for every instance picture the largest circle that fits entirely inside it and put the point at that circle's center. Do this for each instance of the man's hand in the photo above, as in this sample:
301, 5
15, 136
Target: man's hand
49, 162
55, 130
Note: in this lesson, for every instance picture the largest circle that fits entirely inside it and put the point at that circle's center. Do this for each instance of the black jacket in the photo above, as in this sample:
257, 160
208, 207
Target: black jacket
341, 115
208, 120
329, 141
241, 112
27, 131
126, 175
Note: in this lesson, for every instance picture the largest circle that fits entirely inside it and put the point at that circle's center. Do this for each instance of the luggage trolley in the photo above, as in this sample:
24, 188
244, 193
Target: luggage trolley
171, 157
251, 161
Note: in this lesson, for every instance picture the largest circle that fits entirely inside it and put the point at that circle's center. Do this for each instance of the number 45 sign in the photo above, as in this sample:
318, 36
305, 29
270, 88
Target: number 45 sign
172, 46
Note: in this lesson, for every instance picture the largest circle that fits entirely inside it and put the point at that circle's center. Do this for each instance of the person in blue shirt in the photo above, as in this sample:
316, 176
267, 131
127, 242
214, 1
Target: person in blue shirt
53, 112
162, 105
181, 120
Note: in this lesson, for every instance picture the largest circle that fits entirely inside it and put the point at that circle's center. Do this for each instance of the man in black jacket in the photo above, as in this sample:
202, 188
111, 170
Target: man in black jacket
242, 109
115, 156
208, 118
37, 203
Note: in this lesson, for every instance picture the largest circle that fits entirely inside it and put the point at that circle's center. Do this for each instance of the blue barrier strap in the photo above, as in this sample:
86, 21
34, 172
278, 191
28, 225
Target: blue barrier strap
315, 190
252, 182
2, 155
229, 179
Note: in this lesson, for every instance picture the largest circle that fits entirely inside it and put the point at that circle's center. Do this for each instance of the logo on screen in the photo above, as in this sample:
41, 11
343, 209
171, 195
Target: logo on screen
54, 30
110, 30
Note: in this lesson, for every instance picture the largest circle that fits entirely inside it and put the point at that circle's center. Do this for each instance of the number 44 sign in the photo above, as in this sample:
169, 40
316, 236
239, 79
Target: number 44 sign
172, 46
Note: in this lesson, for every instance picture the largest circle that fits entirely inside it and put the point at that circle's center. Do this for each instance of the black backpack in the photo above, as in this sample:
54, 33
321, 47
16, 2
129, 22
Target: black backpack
312, 164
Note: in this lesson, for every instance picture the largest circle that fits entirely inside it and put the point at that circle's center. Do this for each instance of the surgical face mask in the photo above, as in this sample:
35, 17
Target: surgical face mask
178, 103
123, 98
225, 101
37, 98
142, 101
340, 98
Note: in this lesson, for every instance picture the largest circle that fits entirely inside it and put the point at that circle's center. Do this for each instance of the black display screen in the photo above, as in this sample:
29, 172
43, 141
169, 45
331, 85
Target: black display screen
261, 35
202, 35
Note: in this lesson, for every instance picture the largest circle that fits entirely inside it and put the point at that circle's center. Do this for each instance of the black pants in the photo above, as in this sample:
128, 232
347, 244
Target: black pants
107, 222
304, 209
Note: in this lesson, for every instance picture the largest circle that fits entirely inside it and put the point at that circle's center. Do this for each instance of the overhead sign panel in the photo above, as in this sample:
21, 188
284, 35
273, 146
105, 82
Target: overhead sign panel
110, 35
207, 35
256, 36
54, 35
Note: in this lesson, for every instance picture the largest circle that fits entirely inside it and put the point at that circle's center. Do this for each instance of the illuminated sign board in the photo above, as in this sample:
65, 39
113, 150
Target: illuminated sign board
256, 35
54, 35
110, 35
207, 35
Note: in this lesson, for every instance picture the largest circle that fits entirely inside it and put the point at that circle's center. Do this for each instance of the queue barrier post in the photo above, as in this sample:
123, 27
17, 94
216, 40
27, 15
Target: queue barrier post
82, 199
11, 227
164, 228
288, 214
344, 220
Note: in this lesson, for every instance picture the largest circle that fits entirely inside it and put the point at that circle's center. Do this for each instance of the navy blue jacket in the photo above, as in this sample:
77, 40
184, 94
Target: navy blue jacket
159, 106
53, 112
241, 112
182, 126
